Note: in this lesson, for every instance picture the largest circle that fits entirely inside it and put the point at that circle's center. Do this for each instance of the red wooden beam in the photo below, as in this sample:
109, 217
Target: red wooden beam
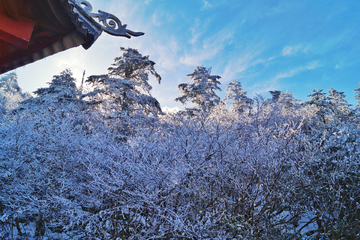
33, 48
11, 8
17, 33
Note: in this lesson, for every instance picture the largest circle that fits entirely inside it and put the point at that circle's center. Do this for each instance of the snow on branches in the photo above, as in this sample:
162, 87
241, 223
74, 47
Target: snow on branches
201, 90
104, 165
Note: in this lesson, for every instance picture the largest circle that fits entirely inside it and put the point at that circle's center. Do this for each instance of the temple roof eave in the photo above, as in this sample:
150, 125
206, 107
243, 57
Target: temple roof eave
57, 26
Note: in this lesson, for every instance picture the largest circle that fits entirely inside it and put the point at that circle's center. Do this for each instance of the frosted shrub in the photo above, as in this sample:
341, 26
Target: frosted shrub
279, 170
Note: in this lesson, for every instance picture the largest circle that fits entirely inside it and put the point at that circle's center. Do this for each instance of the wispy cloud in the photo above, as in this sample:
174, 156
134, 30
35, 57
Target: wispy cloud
274, 84
339, 66
156, 19
242, 64
195, 31
292, 50
234, 67
125, 9
209, 49
310, 66
161, 17
206, 5
166, 52
242, 69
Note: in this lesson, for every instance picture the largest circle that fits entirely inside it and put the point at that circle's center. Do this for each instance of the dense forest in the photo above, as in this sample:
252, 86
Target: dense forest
102, 161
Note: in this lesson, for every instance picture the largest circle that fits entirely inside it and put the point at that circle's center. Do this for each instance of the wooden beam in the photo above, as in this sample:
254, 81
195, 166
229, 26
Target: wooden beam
17, 33
11, 9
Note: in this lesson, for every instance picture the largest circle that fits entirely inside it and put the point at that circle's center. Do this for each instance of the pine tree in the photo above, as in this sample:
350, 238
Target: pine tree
286, 100
340, 107
10, 93
275, 95
237, 95
357, 96
125, 88
321, 102
60, 97
9, 83
201, 90
134, 67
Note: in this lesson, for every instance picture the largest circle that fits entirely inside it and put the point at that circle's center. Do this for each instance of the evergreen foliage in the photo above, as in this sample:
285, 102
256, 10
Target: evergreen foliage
287, 100
125, 87
357, 96
320, 102
341, 108
275, 95
235, 93
135, 67
10, 93
201, 90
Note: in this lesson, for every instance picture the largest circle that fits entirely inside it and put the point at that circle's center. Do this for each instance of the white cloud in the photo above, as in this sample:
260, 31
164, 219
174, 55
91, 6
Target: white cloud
147, 2
291, 50
340, 66
166, 52
273, 84
206, 5
125, 9
313, 65
156, 19
210, 48
195, 31
246, 60
236, 66
161, 17
310, 66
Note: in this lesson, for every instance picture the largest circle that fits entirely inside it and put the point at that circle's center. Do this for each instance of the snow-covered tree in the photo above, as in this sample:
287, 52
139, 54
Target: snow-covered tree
275, 95
237, 95
2, 106
273, 174
320, 101
60, 98
341, 108
357, 96
331, 107
125, 89
122, 97
286, 100
10, 93
201, 90
8, 83
133, 66
332, 182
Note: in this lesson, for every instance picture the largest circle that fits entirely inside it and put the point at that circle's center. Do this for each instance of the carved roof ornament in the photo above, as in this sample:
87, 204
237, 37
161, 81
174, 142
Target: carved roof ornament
110, 23
107, 22
35, 29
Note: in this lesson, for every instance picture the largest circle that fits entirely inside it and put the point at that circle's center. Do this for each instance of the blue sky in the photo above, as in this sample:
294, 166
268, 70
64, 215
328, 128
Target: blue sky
265, 44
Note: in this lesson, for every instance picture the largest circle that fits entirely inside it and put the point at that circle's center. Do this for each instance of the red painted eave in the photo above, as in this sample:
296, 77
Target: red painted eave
31, 30
34, 29
17, 33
